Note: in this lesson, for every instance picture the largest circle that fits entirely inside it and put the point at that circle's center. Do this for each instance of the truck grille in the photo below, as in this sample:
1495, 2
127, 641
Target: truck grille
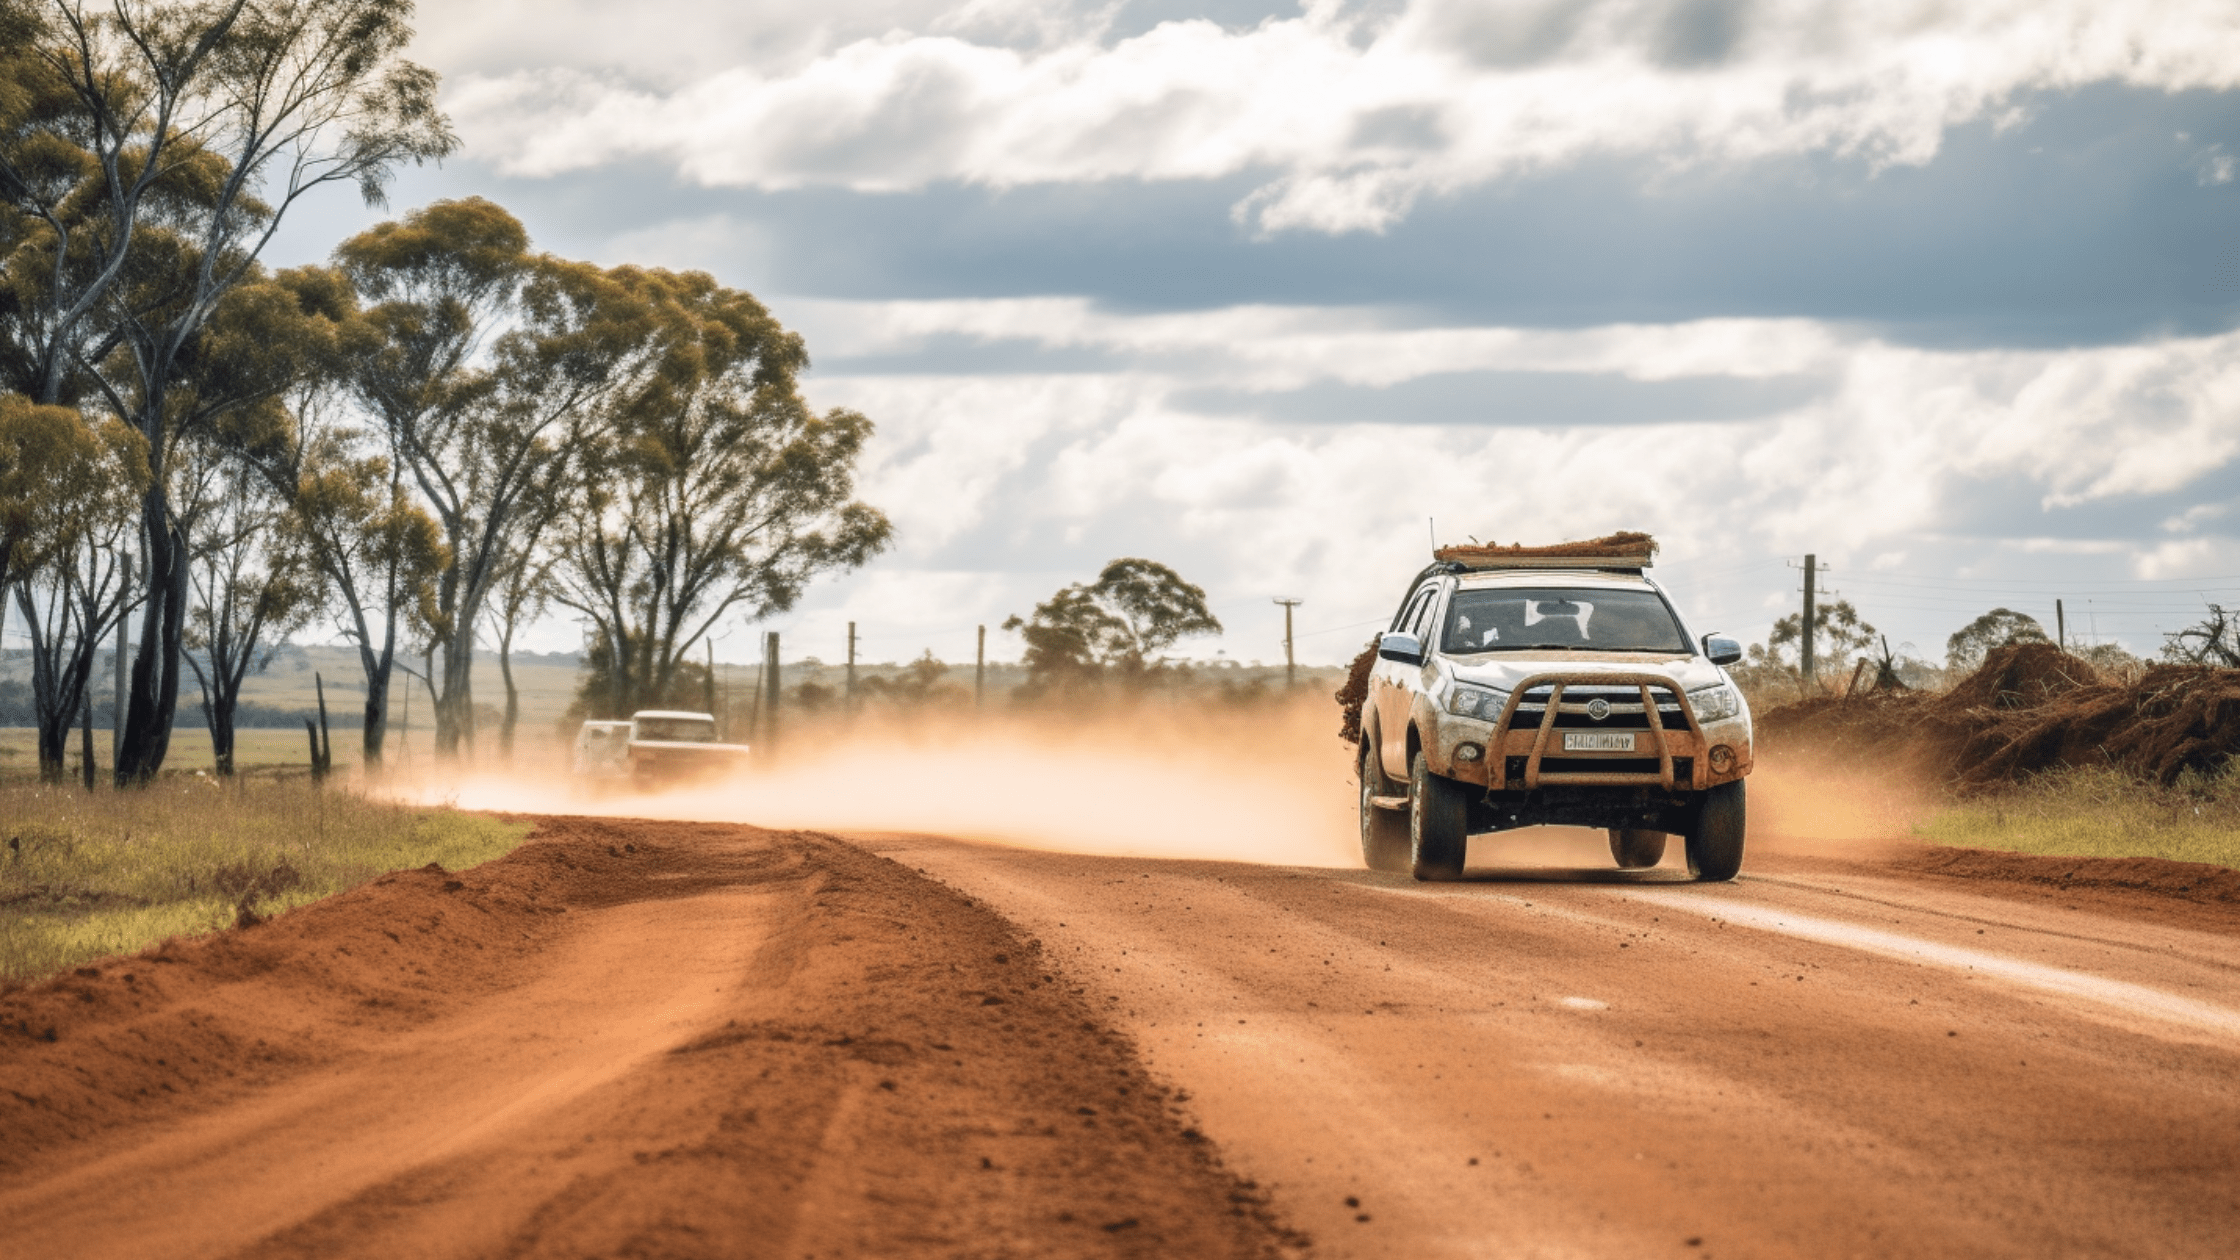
1626, 713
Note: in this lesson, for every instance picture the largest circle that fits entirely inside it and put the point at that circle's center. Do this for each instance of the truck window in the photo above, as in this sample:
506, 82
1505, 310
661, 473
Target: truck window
1420, 624
1512, 619
1410, 620
676, 730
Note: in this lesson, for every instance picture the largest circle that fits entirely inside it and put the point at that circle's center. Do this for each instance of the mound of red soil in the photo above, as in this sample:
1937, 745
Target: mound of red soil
2188, 881
901, 1072
2029, 709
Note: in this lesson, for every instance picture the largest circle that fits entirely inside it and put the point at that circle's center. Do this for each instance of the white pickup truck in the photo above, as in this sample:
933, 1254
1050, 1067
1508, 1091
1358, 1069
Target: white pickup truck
1518, 690
656, 747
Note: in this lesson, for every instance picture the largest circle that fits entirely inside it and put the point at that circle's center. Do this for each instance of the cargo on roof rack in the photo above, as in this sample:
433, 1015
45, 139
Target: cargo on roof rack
1629, 552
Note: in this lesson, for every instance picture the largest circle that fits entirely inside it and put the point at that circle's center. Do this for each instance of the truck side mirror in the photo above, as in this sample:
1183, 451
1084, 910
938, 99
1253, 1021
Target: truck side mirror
1721, 649
1404, 648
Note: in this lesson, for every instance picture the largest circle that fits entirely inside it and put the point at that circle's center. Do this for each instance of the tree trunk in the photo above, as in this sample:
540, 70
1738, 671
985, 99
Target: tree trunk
513, 699
455, 702
377, 716
155, 667
221, 731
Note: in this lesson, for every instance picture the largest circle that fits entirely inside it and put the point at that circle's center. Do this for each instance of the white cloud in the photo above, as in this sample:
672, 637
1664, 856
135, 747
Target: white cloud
1881, 467
1350, 124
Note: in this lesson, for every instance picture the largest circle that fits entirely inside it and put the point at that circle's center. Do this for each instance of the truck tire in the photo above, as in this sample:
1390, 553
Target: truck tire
1715, 841
1384, 832
1635, 849
1438, 823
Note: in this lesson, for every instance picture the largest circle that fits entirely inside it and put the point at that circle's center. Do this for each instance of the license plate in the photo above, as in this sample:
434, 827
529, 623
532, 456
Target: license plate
1597, 741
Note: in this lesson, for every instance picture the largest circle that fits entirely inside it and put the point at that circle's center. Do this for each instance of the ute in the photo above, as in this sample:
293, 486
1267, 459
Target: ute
1519, 687
657, 747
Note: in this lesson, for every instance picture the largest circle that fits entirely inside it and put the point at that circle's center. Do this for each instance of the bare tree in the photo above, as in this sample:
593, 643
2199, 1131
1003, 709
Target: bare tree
2214, 640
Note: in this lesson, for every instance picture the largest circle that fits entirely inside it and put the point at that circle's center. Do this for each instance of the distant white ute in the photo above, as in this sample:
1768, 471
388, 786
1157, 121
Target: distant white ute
656, 747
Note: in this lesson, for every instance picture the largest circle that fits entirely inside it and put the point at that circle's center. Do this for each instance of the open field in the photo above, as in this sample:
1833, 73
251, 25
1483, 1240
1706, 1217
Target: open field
2098, 813
88, 875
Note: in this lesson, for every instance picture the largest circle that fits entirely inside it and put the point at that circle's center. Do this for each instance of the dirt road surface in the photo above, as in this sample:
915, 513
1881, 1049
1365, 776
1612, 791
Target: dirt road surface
1826, 1058
625, 1039
638, 1038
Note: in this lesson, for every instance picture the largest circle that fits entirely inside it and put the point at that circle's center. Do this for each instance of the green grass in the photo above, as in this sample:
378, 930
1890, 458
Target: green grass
84, 876
2099, 812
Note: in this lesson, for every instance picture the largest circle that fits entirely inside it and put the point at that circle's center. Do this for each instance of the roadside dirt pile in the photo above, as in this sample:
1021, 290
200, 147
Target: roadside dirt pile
2030, 708
2197, 882
893, 1070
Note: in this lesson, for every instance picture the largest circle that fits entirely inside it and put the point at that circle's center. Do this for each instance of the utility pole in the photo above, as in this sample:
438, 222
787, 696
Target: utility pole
980, 669
1811, 570
851, 667
770, 693
1290, 667
2060, 627
711, 687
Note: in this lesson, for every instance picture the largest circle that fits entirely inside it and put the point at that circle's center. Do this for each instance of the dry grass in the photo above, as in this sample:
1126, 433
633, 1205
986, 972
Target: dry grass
87, 875
2100, 812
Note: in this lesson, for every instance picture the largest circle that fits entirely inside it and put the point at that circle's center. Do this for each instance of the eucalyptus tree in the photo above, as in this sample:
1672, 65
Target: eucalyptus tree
376, 551
254, 582
523, 593
197, 126
71, 602
49, 462
1114, 626
488, 465
224, 400
713, 490
437, 285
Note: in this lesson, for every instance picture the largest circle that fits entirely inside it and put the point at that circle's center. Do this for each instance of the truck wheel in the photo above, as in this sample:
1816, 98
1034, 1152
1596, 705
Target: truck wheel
1384, 832
1438, 823
1715, 841
1636, 849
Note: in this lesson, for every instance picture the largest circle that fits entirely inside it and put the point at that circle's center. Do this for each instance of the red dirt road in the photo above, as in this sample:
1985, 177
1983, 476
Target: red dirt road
625, 1039
674, 1039
1823, 1059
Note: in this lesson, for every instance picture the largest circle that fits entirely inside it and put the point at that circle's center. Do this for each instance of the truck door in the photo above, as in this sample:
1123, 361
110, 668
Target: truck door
1393, 686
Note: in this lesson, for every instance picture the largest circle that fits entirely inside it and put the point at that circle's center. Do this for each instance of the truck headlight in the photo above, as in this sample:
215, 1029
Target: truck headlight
1482, 703
1714, 704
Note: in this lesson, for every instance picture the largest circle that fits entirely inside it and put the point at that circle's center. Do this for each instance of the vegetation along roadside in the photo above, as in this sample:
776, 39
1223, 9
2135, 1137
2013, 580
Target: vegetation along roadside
85, 875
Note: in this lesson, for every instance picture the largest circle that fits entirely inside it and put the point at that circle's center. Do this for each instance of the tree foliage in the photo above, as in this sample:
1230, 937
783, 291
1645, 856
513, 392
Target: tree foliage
423, 438
1113, 627
711, 490
147, 154
1965, 650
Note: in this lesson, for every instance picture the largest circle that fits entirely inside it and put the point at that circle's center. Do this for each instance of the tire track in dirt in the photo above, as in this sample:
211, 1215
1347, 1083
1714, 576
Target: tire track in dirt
1575, 1061
628, 1037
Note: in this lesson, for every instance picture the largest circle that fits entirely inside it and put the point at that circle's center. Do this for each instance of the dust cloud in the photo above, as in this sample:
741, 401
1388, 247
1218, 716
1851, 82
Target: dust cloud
1806, 805
1268, 783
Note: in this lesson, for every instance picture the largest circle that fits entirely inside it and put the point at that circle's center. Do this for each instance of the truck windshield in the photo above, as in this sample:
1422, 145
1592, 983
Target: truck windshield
676, 730
1512, 619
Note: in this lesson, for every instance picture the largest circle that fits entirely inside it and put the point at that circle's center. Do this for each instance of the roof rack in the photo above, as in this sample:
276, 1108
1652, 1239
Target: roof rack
1628, 552
1489, 564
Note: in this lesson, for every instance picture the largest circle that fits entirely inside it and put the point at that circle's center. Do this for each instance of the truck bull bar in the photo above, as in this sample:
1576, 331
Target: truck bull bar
1532, 743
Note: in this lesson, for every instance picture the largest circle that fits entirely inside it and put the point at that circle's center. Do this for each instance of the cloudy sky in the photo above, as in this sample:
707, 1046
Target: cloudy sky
1945, 293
